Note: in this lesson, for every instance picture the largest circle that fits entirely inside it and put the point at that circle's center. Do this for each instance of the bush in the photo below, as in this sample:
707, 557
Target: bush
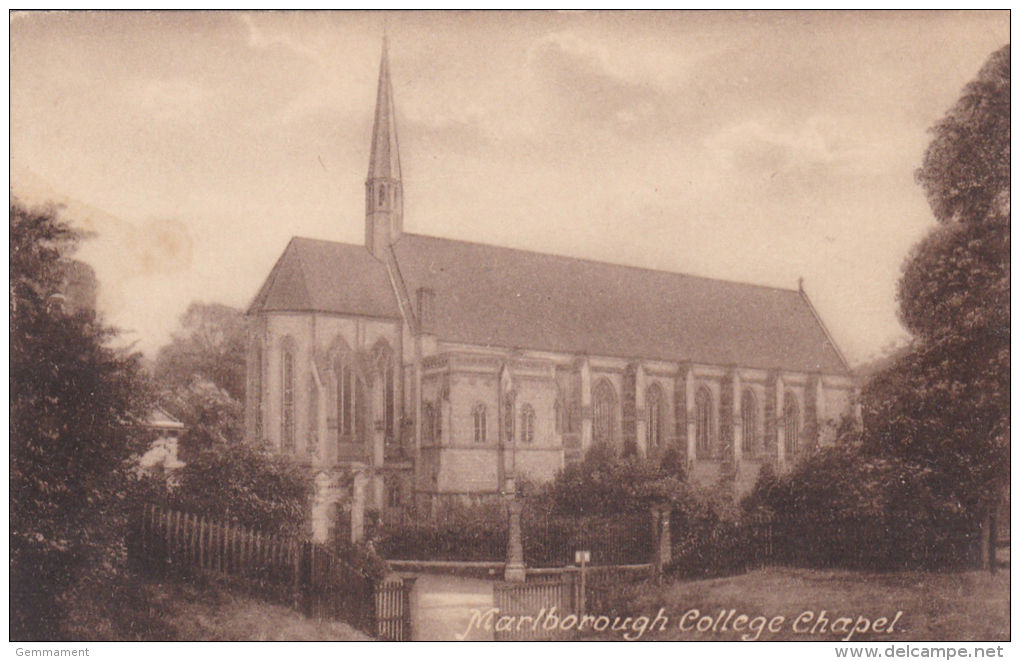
476, 532
239, 483
606, 483
842, 507
709, 534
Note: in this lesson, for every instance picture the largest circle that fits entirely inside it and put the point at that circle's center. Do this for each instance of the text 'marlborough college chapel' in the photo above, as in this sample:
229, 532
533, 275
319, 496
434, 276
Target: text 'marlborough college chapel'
436, 369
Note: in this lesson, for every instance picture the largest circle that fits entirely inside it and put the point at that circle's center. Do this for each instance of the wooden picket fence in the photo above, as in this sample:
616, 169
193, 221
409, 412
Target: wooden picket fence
559, 588
308, 576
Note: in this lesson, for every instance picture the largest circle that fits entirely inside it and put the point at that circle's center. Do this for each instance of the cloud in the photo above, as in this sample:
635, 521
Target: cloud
172, 99
758, 146
585, 85
266, 37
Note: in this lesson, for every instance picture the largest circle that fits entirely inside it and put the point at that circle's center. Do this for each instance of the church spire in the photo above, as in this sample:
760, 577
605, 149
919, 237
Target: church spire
384, 203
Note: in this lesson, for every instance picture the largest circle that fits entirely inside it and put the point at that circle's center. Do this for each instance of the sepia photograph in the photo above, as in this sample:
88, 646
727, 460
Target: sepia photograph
603, 326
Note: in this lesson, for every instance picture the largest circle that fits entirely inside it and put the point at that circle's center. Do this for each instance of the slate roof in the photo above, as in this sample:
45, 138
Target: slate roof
327, 277
488, 295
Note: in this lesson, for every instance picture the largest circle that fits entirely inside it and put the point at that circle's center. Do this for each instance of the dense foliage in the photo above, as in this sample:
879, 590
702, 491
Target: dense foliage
208, 345
606, 483
932, 462
466, 532
239, 483
73, 403
201, 376
945, 404
842, 507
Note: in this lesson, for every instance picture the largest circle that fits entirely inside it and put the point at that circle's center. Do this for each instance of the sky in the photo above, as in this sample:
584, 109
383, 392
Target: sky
749, 146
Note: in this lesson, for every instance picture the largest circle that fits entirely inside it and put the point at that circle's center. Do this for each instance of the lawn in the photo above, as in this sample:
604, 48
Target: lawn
969, 605
205, 611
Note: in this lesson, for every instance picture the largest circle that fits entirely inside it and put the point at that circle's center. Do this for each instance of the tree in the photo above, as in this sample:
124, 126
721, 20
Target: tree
201, 374
73, 399
208, 345
945, 403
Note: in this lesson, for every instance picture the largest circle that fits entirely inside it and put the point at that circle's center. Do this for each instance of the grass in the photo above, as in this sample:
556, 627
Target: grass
954, 606
144, 609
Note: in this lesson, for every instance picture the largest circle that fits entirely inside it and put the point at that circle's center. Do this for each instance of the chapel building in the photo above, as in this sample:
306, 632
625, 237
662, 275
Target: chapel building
414, 369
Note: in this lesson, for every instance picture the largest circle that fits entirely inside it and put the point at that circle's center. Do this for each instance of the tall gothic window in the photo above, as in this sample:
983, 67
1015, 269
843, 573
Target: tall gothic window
527, 424
312, 447
703, 419
287, 419
791, 419
428, 422
388, 405
655, 405
345, 388
382, 194
384, 364
479, 419
749, 420
438, 421
604, 406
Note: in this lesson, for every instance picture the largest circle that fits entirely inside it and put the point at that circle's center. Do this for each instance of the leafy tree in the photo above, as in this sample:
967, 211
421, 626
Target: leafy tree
933, 457
966, 167
945, 404
72, 400
208, 345
201, 374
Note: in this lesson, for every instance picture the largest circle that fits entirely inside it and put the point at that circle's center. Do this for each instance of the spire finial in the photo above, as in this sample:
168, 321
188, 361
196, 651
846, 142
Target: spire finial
384, 197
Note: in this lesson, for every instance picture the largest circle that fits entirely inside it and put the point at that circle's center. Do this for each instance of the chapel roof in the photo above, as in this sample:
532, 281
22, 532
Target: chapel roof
503, 297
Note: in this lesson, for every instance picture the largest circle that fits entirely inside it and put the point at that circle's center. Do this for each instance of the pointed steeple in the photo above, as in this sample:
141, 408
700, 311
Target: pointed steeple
384, 195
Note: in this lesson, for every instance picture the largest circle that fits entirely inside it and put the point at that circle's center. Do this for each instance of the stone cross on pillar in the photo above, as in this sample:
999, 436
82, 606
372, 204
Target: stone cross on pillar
514, 569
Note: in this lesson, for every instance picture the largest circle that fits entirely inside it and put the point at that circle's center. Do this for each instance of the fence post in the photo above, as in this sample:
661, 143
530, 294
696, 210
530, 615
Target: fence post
409, 606
662, 547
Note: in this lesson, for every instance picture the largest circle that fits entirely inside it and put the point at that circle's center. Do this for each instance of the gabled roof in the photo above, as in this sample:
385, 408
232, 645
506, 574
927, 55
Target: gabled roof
325, 276
487, 295
515, 298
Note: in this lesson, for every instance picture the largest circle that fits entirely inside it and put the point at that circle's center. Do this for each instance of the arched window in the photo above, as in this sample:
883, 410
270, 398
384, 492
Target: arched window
703, 419
287, 410
257, 391
428, 422
312, 447
791, 419
384, 363
527, 424
655, 405
604, 413
344, 377
382, 194
438, 420
393, 498
479, 419
749, 420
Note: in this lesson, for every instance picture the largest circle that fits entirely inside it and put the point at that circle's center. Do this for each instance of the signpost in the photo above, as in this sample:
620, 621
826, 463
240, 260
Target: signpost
582, 558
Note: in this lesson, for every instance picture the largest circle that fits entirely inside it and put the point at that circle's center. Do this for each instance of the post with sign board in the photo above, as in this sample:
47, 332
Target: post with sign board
582, 558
